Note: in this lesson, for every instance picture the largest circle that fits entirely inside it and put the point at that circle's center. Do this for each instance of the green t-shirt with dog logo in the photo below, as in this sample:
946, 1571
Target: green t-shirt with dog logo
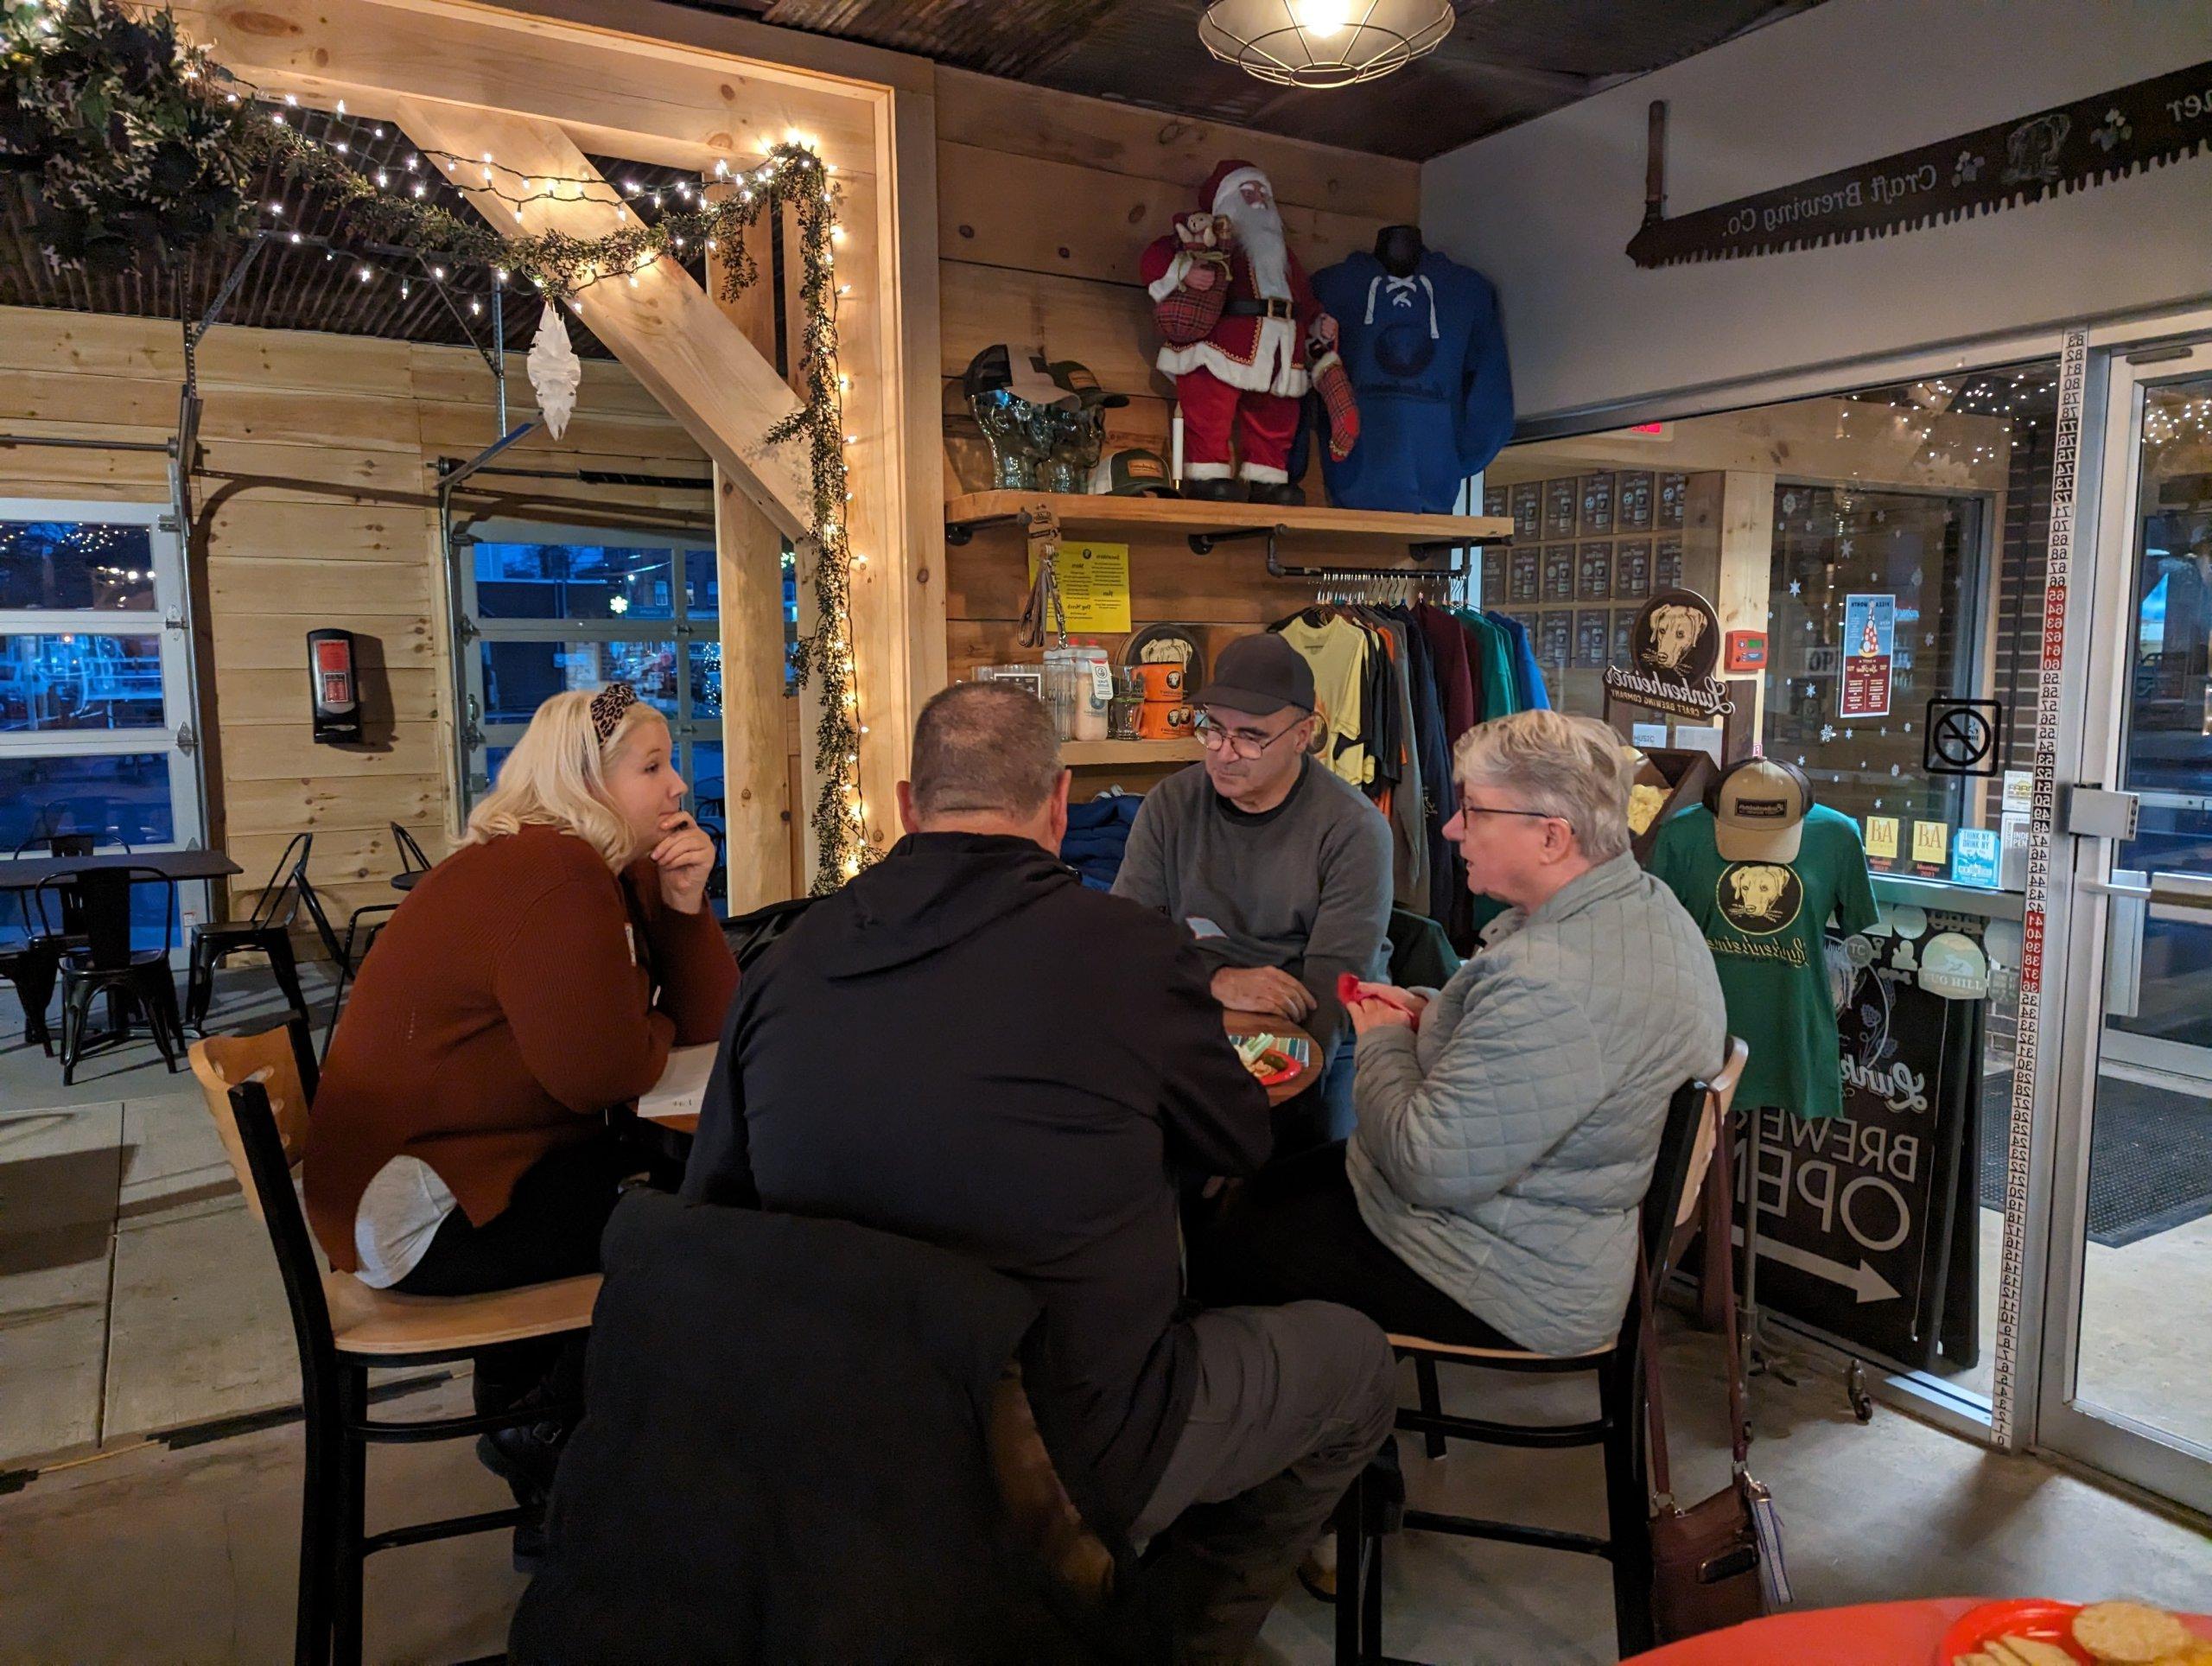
1767, 924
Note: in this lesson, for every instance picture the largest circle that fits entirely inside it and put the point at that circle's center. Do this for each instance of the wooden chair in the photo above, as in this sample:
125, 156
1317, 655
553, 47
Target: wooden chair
1695, 1116
267, 931
258, 1089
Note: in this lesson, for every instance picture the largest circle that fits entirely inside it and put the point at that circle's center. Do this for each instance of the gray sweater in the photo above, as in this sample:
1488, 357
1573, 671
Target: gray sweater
1504, 1149
1305, 885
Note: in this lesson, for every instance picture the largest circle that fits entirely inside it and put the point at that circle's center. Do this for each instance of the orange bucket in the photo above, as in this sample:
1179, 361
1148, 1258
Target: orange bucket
1161, 683
1159, 721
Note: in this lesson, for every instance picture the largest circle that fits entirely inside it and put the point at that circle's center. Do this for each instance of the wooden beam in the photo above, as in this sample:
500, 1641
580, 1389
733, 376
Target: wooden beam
665, 328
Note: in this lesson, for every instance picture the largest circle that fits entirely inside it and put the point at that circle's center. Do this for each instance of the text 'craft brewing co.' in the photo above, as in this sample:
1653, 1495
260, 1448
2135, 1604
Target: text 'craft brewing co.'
1859, 1214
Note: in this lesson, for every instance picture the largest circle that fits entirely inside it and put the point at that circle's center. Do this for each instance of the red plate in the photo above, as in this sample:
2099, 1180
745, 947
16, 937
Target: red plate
2039, 1618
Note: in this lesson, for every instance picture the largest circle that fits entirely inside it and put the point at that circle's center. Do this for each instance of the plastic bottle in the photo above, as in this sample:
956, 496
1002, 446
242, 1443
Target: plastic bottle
1094, 691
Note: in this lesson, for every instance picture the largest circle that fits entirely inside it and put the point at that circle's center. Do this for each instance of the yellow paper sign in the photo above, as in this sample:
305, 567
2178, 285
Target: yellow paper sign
1881, 837
1931, 842
1094, 586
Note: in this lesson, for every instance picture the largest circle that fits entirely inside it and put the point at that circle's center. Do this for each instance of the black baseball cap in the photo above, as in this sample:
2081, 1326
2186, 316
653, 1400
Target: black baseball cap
1259, 675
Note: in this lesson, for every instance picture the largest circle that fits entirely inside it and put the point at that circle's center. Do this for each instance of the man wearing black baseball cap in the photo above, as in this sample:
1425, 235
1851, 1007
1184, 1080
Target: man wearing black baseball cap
1281, 869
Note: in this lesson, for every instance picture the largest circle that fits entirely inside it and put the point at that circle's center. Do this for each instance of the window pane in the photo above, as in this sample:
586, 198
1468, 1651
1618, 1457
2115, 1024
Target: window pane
706, 680
129, 793
702, 583
1834, 541
493, 757
706, 779
572, 581
520, 677
79, 680
76, 564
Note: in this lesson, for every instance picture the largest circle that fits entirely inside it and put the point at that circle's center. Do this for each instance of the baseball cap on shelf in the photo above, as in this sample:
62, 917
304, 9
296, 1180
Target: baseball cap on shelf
1259, 675
1021, 371
1758, 811
1071, 376
1131, 472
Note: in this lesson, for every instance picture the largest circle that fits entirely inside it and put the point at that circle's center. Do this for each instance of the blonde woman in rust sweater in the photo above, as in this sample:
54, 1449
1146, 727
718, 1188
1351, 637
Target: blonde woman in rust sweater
533, 979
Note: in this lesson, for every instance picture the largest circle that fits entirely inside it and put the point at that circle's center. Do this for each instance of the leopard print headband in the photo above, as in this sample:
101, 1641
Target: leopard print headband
607, 707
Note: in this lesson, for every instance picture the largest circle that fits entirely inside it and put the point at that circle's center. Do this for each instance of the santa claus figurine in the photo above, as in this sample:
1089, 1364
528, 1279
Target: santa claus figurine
1245, 339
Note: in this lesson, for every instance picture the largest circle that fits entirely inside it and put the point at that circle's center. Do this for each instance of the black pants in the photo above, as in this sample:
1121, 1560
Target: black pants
1293, 1233
550, 1230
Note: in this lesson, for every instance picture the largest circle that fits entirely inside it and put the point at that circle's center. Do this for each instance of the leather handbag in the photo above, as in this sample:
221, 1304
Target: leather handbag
1719, 1562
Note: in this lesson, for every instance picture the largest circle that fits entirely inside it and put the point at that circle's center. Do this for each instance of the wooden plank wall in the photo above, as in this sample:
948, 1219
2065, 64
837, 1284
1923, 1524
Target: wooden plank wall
314, 506
1045, 200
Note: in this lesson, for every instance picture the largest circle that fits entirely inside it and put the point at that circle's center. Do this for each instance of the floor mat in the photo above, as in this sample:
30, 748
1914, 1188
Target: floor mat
2150, 1157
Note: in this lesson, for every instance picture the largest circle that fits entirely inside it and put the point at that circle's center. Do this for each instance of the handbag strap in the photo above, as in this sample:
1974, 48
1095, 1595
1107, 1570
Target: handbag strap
1721, 1173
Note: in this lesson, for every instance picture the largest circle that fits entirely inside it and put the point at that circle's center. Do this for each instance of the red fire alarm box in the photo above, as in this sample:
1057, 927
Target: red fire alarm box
1745, 650
332, 697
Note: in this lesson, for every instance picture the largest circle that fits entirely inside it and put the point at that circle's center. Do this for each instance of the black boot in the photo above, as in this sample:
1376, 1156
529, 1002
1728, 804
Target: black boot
1215, 490
1288, 494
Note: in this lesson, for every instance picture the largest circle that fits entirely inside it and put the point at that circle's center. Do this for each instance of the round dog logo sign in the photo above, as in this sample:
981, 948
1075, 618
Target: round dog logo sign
1760, 898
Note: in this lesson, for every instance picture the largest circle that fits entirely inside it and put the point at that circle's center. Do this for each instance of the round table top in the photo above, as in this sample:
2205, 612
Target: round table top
1240, 1023
1871, 1634
405, 880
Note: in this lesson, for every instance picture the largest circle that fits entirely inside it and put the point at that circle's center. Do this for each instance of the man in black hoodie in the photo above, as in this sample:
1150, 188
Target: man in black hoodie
965, 1046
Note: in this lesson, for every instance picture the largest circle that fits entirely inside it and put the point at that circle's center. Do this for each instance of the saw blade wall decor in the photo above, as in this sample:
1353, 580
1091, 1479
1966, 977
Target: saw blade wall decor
2054, 152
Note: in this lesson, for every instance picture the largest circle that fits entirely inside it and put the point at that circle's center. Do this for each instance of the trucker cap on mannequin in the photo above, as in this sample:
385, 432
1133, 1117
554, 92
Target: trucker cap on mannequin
1758, 811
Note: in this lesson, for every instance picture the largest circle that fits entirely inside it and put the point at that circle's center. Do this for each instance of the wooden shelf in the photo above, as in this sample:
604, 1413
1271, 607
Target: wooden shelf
1188, 516
1076, 755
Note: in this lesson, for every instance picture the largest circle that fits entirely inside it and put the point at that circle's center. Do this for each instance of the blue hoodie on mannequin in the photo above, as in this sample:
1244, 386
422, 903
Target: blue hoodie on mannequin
1426, 360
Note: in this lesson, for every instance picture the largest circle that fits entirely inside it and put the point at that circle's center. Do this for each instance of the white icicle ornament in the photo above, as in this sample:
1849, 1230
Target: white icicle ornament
555, 370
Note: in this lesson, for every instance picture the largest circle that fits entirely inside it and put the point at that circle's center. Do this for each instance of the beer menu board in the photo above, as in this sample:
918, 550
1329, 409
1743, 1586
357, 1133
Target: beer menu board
1632, 569
1555, 640
1527, 583
1598, 504
1493, 574
1634, 497
1497, 501
1674, 493
1527, 510
1561, 499
1558, 572
1594, 573
1667, 564
1590, 638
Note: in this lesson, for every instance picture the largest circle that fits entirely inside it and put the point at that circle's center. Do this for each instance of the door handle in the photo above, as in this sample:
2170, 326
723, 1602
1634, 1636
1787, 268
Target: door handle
2124, 939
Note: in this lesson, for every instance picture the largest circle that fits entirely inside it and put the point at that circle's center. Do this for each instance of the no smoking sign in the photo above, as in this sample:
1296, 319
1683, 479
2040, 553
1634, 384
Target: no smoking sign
1961, 737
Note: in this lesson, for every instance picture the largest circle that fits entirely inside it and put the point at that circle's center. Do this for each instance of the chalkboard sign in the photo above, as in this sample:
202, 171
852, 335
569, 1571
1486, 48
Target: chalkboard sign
1556, 639
1591, 638
1559, 573
1496, 501
1561, 501
1527, 510
1667, 564
1674, 494
1856, 1212
1493, 591
1636, 501
1527, 574
1597, 505
1632, 571
1594, 573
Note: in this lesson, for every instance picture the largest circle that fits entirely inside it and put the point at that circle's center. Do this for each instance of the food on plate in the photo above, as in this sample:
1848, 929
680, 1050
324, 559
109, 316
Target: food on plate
2018, 1652
2131, 1633
1644, 802
1264, 1057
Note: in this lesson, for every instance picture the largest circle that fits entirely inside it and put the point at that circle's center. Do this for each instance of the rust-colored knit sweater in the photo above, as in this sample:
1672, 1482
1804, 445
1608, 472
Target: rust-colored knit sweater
509, 1002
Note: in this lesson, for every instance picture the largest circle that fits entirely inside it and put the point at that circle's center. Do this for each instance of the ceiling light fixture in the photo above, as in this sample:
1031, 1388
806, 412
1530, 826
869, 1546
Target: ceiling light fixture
1324, 43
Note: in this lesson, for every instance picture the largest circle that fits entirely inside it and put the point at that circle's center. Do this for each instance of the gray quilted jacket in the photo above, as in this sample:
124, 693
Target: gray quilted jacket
1504, 1149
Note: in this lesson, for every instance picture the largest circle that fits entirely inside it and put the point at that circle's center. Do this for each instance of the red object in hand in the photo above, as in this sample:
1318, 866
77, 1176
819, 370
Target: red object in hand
1347, 988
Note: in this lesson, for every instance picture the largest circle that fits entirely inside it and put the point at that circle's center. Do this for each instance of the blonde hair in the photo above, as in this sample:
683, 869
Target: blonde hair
1575, 768
557, 776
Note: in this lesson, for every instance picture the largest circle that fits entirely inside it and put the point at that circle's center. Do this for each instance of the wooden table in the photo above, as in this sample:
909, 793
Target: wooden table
1871, 1634
672, 1104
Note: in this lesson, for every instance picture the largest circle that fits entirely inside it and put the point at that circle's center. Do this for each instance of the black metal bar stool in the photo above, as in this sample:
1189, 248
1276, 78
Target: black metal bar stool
258, 1088
108, 964
267, 931
1695, 1116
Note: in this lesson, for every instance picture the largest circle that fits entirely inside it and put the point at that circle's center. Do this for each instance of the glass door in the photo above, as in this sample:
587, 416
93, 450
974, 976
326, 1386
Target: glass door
96, 703
2126, 1380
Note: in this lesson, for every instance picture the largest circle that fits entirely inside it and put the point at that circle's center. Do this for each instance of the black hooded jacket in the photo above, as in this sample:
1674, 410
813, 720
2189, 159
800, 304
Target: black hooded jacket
965, 1046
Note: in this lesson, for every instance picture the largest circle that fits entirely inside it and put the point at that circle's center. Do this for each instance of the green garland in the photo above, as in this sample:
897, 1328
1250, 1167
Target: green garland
137, 148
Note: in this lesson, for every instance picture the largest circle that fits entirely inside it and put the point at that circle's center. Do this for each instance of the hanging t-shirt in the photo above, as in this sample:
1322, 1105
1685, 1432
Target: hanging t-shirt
1766, 923
1337, 649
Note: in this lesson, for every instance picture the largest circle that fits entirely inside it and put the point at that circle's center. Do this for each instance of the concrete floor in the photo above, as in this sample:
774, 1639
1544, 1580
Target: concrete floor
137, 1294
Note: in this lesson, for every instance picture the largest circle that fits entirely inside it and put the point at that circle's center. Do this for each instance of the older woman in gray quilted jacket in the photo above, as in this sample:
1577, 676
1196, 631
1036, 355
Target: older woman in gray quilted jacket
1508, 1122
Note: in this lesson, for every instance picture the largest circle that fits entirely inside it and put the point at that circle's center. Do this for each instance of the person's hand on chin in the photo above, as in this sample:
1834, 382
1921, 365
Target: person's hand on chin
685, 856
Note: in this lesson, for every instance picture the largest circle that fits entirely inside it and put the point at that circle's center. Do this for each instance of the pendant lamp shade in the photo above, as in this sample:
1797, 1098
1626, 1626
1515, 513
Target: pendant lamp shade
1323, 43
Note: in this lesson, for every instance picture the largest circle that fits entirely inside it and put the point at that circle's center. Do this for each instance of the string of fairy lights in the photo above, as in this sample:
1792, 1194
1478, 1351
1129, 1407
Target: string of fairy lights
394, 204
